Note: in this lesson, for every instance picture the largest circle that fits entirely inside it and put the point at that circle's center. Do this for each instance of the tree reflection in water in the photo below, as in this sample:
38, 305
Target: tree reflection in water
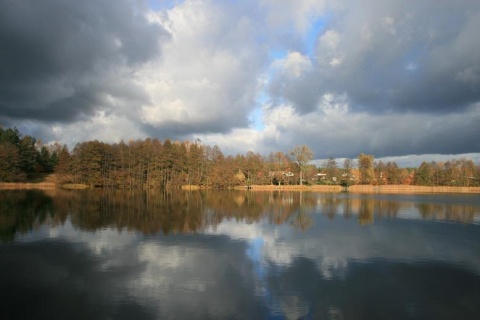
292, 255
152, 212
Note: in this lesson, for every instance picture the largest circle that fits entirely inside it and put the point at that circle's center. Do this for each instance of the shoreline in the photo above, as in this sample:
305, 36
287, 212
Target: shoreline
27, 185
411, 189
366, 189
399, 189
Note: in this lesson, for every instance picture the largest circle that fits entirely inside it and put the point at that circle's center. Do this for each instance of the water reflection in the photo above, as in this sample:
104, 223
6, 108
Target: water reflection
186, 212
238, 255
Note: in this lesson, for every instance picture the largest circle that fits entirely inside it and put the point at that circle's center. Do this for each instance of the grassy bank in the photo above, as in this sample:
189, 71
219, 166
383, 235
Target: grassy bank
368, 189
52, 182
27, 185
41, 181
411, 189
75, 186
317, 188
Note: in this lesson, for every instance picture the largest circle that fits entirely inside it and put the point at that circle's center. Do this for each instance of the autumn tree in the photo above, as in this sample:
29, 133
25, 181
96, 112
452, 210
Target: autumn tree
64, 161
215, 166
195, 163
459, 172
91, 162
347, 168
424, 175
254, 168
10, 163
393, 173
19, 155
331, 169
310, 172
278, 163
180, 168
468, 172
122, 164
222, 170
365, 166
302, 155
379, 172
476, 177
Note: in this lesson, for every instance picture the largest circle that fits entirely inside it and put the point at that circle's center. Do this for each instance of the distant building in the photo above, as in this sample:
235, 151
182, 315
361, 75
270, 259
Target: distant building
321, 176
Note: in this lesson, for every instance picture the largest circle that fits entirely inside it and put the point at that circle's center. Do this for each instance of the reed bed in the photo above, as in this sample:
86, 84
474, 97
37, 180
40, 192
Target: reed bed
75, 186
318, 188
314, 188
411, 189
365, 189
22, 185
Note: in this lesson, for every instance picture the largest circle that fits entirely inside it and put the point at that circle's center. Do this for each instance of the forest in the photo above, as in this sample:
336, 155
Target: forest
153, 163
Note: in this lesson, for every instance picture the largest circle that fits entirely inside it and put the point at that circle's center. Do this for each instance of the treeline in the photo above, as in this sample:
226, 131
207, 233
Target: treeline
152, 163
456, 172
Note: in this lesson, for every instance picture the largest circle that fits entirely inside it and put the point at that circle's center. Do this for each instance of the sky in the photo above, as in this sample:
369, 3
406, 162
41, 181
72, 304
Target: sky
396, 79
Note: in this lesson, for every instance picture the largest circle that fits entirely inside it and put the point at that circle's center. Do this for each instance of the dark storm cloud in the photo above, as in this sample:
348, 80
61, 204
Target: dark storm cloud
187, 130
344, 134
394, 57
58, 58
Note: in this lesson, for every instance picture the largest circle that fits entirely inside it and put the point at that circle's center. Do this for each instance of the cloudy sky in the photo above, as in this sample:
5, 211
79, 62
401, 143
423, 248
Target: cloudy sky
391, 78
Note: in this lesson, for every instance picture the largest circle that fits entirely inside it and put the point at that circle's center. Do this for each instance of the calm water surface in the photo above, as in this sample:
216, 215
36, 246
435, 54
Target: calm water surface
237, 255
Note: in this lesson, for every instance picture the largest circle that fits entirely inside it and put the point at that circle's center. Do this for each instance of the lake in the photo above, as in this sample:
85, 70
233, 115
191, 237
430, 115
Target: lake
99, 254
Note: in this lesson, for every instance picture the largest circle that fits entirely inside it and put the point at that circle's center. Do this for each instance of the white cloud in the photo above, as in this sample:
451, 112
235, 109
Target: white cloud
206, 79
330, 40
294, 65
331, 104
111, 128
329, 51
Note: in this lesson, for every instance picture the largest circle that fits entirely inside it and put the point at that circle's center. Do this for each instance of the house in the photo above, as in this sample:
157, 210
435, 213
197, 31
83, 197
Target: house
321, 176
